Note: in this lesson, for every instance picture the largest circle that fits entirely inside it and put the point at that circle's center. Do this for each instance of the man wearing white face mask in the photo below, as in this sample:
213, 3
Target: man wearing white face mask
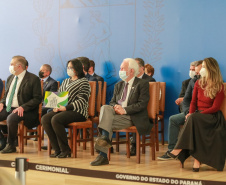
128, 107
185, 85
21, 100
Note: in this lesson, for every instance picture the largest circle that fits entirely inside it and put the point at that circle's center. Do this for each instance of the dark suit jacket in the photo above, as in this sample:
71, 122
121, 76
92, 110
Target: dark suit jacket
137, 103
188, 95
148, 78
29, 97
184, 87
50, 85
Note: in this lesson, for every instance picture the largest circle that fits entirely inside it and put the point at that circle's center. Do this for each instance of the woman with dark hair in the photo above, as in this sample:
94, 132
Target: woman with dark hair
204, 133
54, 122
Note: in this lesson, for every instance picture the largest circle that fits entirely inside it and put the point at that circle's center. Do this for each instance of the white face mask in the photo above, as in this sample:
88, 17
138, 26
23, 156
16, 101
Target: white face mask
70, 72
192, 74
122, 75
203, 72
11, 70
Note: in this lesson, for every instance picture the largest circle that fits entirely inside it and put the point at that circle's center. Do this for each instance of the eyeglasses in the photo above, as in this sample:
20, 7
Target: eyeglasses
70, 68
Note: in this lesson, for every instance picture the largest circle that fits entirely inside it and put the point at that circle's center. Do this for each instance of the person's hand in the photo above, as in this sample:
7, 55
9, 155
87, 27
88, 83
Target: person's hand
179, 100
61, 108
186, 117
20, 111
119, 110
1, 107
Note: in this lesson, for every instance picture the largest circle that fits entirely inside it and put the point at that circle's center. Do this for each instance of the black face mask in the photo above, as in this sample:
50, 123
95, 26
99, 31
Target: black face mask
41, 74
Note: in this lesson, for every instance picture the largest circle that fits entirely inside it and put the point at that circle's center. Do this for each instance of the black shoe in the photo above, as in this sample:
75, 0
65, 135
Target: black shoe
164, 157
172, 155
103, 141
44, 147
2, 143
100, 160
112, 150
195, 169
64, 154
9, 149
54, 155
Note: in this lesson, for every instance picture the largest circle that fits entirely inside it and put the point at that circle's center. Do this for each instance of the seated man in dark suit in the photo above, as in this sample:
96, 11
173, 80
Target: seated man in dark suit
128, 107
86, 66
142, 74
49, 84
92, 73
21, 100
185, 85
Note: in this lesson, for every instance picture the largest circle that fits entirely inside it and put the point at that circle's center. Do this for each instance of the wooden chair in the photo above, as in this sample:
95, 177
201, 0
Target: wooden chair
103, 95
88, 124
58, 85
98, 106
23, 130
152, 114
162, 109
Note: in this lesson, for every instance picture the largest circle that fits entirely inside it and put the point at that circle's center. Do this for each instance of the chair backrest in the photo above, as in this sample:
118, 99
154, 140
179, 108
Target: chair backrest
153, 103
104, 91
92, 99
3, 90
163, 96
40, 105
223, 105
99, 97
157, 97
58, 85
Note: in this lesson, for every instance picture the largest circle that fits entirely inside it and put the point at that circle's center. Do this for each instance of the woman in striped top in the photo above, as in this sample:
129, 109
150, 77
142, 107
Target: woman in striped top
77, 109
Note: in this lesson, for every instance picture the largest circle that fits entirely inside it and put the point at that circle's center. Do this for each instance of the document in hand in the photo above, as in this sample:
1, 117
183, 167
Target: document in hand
54, 99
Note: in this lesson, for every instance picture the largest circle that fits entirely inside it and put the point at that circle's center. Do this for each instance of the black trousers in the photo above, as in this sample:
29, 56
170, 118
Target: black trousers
54, 124
12, 124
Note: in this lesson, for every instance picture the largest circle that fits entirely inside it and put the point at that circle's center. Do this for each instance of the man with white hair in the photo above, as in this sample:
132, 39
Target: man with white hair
128, 107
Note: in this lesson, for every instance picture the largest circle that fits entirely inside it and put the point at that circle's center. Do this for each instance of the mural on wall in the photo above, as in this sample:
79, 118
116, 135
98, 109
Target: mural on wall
42, 27
153, 25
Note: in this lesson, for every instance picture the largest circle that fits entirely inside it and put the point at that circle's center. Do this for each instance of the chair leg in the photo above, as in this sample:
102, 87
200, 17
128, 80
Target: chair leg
162, 130
143, 142
49, 147
109, 154
92, 141
117, 141
75, 142
84, 137
22, 138
39, 132
127, 145
156, 135
138, 146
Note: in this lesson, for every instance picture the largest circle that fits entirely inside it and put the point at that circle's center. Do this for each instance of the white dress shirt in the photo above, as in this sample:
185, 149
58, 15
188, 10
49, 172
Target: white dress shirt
19, 80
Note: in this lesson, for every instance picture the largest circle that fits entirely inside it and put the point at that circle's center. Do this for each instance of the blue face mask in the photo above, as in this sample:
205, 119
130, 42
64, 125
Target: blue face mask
122, 75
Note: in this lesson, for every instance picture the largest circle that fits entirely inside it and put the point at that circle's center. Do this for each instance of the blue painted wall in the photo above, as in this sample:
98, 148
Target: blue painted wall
168, 34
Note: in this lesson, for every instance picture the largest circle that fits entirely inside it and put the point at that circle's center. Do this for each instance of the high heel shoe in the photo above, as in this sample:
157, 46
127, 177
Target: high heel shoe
195, 169
172, 155
54, 155
64, 154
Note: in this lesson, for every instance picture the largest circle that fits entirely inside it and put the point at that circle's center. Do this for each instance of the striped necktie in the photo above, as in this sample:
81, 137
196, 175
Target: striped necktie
8, 108
124, 94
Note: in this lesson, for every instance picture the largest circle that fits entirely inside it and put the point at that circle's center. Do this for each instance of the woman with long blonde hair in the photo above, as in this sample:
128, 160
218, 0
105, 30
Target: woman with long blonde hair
204, 133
